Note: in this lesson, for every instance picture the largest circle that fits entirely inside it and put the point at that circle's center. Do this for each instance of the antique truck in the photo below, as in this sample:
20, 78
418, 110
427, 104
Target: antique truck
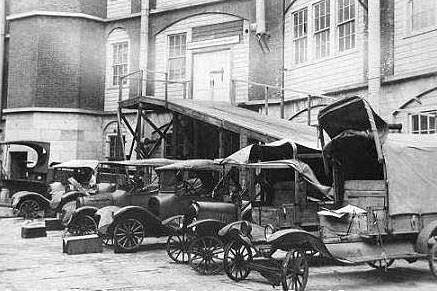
383, 205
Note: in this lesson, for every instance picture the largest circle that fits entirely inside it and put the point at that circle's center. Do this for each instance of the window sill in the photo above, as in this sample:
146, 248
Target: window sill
419, 32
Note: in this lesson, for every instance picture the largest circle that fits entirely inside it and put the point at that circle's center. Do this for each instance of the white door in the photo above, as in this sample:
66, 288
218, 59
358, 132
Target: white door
211, 76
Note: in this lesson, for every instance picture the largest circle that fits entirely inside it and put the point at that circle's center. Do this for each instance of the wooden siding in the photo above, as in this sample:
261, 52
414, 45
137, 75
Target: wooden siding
340, 69
219, 30
415, 52
239, 54
175, 4
118, 8
111, 92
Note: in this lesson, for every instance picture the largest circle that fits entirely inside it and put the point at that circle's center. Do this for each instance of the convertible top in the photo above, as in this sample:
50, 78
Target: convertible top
195, 164
155, 162
75, 164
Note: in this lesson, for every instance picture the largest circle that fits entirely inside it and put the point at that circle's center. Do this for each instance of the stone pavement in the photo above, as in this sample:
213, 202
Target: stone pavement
39, 264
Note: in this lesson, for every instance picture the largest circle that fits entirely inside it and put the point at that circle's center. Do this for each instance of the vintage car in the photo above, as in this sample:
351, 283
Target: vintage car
179, 185
383, 210
135, 181
71, 180
24, 167
198, 242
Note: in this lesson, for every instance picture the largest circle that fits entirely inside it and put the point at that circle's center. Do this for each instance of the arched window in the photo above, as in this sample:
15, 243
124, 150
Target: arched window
117, 57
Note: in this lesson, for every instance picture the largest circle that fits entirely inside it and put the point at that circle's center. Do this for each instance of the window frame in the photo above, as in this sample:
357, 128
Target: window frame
342, 22
325, 30
122, 66
412, 15
182, 56
429, 115
300, 36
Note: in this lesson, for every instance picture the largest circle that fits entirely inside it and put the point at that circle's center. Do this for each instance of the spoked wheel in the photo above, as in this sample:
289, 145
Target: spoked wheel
176, 223
237, 257
128, 235
177, 247
432, 260
381, 264
106, 239
87, 225
206, 255
294, 272
29, 209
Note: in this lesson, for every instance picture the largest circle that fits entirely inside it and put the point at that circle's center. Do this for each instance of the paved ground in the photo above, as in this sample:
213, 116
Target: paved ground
39, 264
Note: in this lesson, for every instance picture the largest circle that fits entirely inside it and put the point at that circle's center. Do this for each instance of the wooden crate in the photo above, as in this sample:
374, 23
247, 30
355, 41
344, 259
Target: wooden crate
332, 227
405, 223
33, 230
82, 244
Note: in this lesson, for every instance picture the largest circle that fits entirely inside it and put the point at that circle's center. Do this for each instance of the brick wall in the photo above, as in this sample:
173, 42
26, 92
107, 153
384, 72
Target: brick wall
53, 65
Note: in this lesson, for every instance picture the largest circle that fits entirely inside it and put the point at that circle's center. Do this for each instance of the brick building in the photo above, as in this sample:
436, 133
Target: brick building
63, 60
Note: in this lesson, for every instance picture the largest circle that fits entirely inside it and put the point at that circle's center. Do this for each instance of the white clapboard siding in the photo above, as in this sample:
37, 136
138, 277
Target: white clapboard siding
175, 4
413, 51
339, 70
118, 8
239, 54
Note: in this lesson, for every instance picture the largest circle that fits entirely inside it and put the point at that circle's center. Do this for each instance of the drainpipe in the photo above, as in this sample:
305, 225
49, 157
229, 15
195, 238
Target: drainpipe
260, 17
2, 50
144, 42
374, 55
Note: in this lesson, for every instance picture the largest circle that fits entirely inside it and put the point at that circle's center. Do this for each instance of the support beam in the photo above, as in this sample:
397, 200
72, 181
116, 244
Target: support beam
156, 144
2, 50
152, 125
374, 54
144, 43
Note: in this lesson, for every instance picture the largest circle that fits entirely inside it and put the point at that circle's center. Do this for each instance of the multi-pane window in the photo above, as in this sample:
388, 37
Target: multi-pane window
115, 147
423, 13
300, 41
346, 24
177, 56
119, 62
321, 28
423, 123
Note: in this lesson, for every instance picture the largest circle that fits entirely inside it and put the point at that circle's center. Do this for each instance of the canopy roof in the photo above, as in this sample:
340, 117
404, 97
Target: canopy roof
236, 119
193, 165
155, 162
40, 147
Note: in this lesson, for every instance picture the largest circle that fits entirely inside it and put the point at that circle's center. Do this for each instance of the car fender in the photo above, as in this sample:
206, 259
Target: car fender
206, 227
84, 211
19, 197
150, 220
288, 239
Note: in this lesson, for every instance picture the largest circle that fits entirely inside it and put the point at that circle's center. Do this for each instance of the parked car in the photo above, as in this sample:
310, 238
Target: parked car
24, 167
71, 180
179, 184
135, 181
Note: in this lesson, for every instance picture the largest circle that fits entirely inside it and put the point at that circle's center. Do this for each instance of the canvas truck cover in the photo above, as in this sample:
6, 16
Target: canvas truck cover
411, 162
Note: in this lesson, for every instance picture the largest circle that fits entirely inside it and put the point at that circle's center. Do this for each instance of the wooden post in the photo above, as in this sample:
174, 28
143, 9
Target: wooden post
166, 89
184, 94
233, 92
266, 100
309, 110
221, 143
174, 138
121, 153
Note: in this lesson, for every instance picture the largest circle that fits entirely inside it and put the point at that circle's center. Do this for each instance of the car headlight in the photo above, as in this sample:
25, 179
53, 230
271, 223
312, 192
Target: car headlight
268, 231
246, 228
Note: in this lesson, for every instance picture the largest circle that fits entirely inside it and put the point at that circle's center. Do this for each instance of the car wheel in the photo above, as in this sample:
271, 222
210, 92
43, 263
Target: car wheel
128, 235
29, 209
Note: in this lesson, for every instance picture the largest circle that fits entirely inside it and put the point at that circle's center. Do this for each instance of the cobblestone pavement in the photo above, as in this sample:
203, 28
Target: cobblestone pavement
39, 264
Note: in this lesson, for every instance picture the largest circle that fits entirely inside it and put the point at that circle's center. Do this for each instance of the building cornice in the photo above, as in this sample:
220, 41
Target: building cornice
54, 14
71, 15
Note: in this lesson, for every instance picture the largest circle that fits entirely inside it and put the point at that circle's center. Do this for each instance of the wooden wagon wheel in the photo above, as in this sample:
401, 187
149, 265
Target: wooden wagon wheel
432, 260
128, 235
237, 257
86, 225
177, 246
206, 255
29, 208
294, 273
381, 264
